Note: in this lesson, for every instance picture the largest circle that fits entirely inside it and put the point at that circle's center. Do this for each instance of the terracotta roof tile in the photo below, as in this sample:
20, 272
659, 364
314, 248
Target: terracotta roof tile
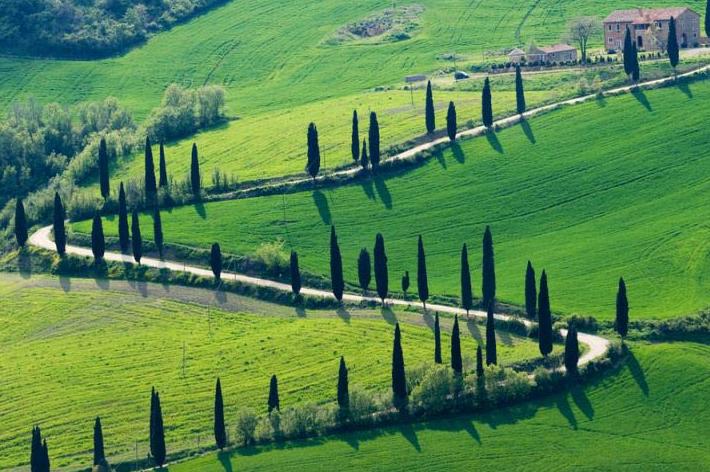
644, 15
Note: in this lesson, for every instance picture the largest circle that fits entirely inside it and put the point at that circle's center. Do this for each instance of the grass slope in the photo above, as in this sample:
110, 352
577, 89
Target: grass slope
71, 350
650, 416
592, 192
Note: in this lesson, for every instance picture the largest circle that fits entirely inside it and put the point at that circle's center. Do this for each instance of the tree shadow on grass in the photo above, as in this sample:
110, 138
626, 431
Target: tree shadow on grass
200, 209
382, 191
528, 131
685, 88
343, 314
494, 142
566, 410
65, 282
580, 399
641, 97
24, 263
637, 372
600, 100
504, 337
368, 188
474, 329
388, 315
440, 158
429, 320
225, 459
454, 425
322, 205
410, 435
458, 152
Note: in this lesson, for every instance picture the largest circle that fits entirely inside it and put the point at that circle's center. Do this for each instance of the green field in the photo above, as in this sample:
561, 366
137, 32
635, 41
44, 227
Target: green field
72, 349
591, 192
650, 416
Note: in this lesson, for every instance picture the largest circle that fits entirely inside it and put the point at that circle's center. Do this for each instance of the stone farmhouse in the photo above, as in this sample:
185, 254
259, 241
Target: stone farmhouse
555, 53
649, 28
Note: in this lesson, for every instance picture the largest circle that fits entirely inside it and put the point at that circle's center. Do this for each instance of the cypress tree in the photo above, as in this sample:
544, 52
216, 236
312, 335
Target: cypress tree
355, 142
456, 361
20, 223
295, 274
571, 351
136, 240
381, 273
343, 393
635, 68
429, 115
707, 18
157, 438
336, 266
405, 283
422, 280
519, 91
151, 432
98, 244
216, 260
374, 137
530, 292
451, 125
364, 160
99, 456
399, 381
124, 237
220, 432
479, 362
313, 163
163, 171
488, 287
622, 310
487, 104
195, 179
437, 340
466, 290
150, 188
274, 394
60, 234
158, 230
628, 53
491, 350
672, 45
364, 269
36, 451
46, 466
544, 317
103, 169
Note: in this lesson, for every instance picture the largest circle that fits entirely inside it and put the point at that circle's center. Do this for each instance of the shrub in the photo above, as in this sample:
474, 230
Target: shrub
436, 390
247, 422
306, 420
273, 255
363, 405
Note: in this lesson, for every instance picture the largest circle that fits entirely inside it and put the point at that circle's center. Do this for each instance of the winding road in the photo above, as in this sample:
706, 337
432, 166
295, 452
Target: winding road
597, 345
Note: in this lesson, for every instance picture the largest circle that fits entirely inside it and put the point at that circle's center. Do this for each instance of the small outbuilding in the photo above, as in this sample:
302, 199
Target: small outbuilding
516, 56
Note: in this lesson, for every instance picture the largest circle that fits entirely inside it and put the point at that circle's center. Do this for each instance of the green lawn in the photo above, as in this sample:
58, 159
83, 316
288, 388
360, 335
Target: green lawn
650, 416
591, 192
76, 348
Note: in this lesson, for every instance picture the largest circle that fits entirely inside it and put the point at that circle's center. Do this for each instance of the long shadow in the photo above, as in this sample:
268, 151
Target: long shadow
528, 131
65, 282
220, 295
637, 372
566, 410
580, 399
600, 100
440, 158
494, 142
410, 435
24, 263
343, 314
641, 97
685, 88
382, 191
368, 188
322, 204
429, 320
388, 315
504, 337
200, 209
474, 330
300, 311
458, 152
225, 459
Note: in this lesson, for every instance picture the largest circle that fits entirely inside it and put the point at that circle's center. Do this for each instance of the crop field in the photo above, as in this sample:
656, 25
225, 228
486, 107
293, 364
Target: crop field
591, 193
651, 416
72, 349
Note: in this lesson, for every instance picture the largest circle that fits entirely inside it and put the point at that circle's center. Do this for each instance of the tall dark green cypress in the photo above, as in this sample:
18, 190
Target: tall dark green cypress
635, 68
456, 361
158, 230
103, 169
488, 269
381, 272
628, 53
405, 283
343, 391
274, 403
364, 269
336, 266
622, 310
466, 289
399, 380
530, 292
491, 349
151, 431
487, 104
163, 170
479, 362
46, 465
544, 317
98, 243
374, 137
422, 279
429, 115
20, 223
364, 160
451, 124
216, 260
124, 238
157, 438
295, 274
60, 233
36, 450
707, 18
519, 91
99, 455
313, 154
195, 179
437, 340
150, 187
571, 351
355, 139
672, 45
220, 431
136, 239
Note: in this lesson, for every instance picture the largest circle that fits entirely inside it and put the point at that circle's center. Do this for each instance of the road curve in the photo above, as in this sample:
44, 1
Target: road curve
597, 345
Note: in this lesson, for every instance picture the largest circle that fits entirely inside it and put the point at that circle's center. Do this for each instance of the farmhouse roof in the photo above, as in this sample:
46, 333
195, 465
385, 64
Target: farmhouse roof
516, 52
645, 15
557, 48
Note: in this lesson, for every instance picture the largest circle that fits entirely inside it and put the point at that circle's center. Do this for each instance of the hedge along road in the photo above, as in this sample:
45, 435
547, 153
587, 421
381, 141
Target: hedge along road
41, 238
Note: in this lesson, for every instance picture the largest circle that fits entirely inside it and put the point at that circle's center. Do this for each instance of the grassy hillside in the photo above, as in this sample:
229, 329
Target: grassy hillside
650, 416
593, 192
74, 349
